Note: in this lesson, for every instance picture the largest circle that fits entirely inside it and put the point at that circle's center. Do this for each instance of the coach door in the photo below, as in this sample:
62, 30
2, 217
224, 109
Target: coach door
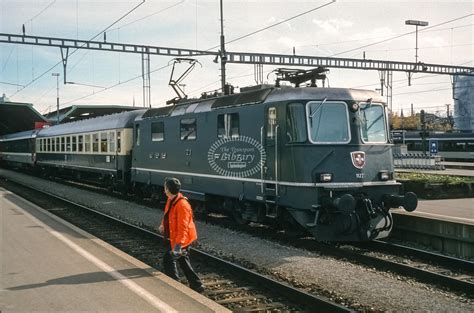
270, 171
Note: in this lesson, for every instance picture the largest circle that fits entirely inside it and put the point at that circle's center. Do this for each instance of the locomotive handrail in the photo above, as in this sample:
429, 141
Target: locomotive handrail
276, 160
261, 160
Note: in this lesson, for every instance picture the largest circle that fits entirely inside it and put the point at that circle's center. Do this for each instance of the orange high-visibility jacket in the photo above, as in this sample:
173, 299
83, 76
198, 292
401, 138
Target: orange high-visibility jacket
181, 225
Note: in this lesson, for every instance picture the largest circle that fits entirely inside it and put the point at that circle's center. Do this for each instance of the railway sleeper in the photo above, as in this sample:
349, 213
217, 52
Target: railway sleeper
240, 299
217, 283
228, 291
262, 308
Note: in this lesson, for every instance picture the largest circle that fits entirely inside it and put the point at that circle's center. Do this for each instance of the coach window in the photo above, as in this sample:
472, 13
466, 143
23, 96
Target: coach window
460, 146
228, 125
295, 123
68, 144
271, 122
111, 141
87, 143
103, 142
80, 143
95, 142
63, 143
188, 129
58, 144
137, 134
157, 131
53, 144
74, 143
48, 144
470, 146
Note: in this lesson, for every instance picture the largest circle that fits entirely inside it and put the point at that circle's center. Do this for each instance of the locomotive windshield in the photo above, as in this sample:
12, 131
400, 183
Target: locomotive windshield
372, 123
327, 122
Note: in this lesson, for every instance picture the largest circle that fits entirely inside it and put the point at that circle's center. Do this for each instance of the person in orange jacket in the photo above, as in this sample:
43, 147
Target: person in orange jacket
179, 230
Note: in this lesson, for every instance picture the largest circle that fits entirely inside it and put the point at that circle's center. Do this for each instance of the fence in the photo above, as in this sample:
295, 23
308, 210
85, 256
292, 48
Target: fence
417, 161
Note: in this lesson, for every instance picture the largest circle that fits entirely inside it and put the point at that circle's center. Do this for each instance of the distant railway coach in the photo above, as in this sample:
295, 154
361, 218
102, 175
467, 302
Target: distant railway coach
18, 149
452, 146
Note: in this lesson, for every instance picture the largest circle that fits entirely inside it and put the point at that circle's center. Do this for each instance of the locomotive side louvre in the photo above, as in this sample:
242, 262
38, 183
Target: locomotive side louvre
98, 149
301, 174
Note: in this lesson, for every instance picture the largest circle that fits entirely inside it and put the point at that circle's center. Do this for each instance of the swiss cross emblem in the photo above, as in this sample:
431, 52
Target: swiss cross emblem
358, 159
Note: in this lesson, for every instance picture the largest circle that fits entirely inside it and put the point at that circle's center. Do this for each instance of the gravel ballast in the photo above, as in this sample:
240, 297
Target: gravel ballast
359, 287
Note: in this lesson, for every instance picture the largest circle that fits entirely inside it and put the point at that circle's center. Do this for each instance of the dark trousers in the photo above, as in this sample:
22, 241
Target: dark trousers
170, 269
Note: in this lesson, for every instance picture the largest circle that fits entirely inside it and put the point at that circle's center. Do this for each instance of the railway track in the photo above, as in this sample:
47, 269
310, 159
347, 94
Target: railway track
231, 285
448, 273
435, 269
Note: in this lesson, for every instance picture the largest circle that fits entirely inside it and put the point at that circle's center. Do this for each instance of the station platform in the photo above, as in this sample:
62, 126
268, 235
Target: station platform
455, 210
447, 226
50, 265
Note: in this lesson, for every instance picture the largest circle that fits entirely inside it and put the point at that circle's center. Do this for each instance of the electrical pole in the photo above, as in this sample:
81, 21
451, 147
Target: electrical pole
223, 54
416, 24
57, 96
423, 131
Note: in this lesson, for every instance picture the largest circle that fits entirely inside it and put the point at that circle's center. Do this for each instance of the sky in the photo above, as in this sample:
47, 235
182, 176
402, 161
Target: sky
343, 28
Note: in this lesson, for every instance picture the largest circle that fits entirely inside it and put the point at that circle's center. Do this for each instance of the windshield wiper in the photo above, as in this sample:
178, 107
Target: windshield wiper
317, 108
375, 121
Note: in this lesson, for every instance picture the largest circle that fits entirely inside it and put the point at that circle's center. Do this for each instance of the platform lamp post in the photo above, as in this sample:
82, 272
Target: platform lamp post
416, 23
57, 96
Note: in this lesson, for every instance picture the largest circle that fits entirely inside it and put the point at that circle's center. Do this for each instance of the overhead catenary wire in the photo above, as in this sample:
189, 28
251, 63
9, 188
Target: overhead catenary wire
48, 70
113, 86
275, 24
401, 35
370, 38
41, 12
148, 16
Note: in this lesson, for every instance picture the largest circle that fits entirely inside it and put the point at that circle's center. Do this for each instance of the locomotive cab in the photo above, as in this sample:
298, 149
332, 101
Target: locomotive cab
349, 160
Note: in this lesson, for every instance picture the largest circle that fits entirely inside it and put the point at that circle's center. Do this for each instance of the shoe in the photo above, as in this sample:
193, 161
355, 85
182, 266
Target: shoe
199, 289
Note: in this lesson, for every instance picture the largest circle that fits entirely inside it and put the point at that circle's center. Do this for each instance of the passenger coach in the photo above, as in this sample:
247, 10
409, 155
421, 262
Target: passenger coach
98, 148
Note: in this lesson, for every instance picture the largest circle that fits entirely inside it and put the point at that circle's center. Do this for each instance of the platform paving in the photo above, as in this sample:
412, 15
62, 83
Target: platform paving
50, 265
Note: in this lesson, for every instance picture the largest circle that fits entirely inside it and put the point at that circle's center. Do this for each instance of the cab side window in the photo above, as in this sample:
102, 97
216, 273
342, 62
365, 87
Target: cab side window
271, 122
158, 131
137, 134
228, 125
296, 123
188, 129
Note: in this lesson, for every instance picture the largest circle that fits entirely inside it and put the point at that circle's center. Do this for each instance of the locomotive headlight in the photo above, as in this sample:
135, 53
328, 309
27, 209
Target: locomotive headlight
325, 177
385, 175
354, 107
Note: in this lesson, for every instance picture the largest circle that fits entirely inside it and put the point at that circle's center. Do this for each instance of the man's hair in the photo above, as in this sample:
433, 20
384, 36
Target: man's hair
173, 185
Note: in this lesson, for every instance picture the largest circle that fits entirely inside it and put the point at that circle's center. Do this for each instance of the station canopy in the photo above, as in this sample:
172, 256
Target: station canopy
16, 117
81, 112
